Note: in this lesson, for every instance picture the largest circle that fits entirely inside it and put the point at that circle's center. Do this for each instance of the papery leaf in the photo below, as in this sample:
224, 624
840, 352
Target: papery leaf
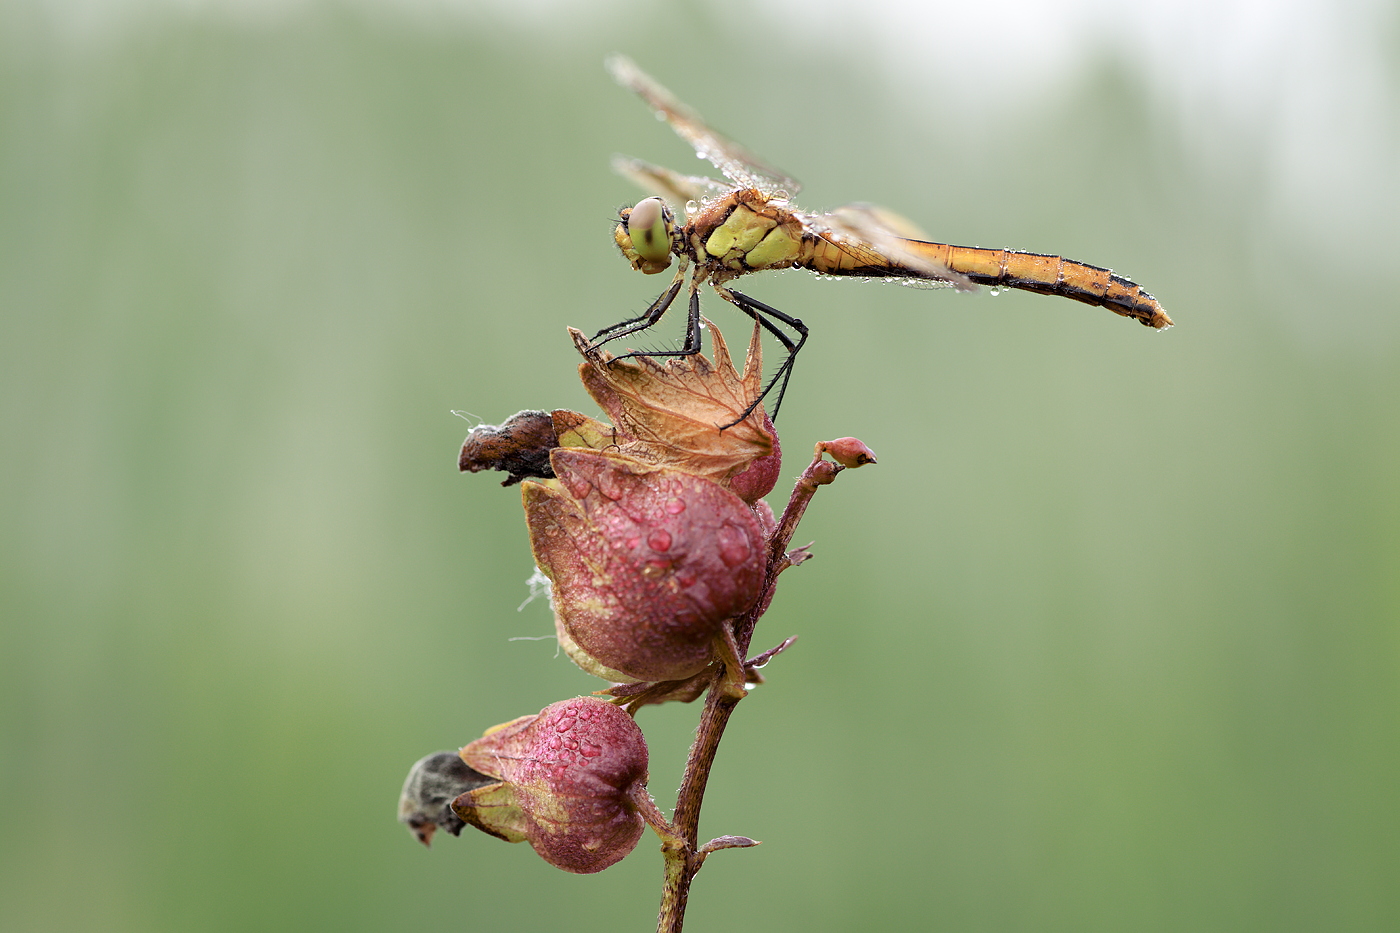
672, 410
576, 430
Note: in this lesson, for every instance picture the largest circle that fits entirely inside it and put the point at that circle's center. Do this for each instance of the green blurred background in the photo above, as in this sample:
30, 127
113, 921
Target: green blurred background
1109, 640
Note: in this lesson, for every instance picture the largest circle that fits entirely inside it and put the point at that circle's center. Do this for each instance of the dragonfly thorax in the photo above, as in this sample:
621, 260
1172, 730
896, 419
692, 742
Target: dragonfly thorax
745, 232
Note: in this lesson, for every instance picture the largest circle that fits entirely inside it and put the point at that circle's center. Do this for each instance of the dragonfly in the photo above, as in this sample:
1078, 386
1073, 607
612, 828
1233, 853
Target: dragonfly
747, 223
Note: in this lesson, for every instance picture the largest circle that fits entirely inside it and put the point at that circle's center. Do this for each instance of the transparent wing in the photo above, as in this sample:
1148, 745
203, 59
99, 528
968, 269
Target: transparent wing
872, 216
738, 164
677, 189
885, 244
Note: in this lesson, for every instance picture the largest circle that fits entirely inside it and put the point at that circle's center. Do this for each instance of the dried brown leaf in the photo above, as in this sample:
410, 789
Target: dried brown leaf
672, 411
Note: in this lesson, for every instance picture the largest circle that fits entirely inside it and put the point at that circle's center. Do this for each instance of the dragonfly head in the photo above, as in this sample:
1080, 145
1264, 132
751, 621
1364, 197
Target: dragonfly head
645, 235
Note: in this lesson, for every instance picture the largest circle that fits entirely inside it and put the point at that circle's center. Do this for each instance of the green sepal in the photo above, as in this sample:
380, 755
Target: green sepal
494, 809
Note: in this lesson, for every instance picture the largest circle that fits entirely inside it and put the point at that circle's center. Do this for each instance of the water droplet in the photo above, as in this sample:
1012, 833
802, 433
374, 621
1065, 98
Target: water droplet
609, 485
660, 540
994, 292
734, 547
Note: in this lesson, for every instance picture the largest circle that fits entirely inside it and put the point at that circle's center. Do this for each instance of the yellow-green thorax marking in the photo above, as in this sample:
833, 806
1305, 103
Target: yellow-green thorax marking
745, 232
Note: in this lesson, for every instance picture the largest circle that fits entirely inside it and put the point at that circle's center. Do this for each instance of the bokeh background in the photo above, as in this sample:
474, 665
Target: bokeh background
1109, 640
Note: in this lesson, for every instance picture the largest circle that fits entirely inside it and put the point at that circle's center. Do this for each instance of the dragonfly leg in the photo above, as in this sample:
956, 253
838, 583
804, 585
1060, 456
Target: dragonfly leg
642, 321
762, 313
692, 334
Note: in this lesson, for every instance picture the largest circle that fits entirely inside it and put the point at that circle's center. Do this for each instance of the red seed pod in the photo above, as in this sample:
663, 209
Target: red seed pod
758, 478
646, 562
564, 782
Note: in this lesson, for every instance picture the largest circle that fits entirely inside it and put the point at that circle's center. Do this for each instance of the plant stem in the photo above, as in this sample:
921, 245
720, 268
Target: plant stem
683, 860
683, 863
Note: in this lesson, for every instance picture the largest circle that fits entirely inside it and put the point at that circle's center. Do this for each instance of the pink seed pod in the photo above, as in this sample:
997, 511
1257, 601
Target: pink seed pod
565, 780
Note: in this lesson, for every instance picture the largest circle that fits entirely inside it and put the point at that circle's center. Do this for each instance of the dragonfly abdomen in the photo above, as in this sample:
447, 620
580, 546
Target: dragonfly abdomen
1048, 275
1055, 275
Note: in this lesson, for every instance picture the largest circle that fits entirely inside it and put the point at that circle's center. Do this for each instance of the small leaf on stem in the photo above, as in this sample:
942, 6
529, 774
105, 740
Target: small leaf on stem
728, 842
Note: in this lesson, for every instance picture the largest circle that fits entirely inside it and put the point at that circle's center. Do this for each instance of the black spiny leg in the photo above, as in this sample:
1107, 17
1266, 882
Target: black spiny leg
764, 314
761, 313
692, 332
642, 321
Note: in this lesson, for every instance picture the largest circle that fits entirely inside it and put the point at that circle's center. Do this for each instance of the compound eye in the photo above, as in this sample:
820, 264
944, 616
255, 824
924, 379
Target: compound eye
649, 225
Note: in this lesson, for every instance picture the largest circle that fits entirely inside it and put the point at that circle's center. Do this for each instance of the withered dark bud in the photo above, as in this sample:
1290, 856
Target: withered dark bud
433, 783
564, 781
519, 447
647, 562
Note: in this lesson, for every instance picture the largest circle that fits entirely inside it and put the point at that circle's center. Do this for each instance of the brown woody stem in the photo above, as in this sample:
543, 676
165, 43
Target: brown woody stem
682, 851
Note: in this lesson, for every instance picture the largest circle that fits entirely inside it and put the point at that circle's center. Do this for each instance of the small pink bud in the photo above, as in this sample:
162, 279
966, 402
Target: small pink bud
564, 780
847, 451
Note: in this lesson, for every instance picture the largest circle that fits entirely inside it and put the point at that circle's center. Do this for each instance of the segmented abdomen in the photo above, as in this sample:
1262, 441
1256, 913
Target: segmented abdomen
1048, 275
